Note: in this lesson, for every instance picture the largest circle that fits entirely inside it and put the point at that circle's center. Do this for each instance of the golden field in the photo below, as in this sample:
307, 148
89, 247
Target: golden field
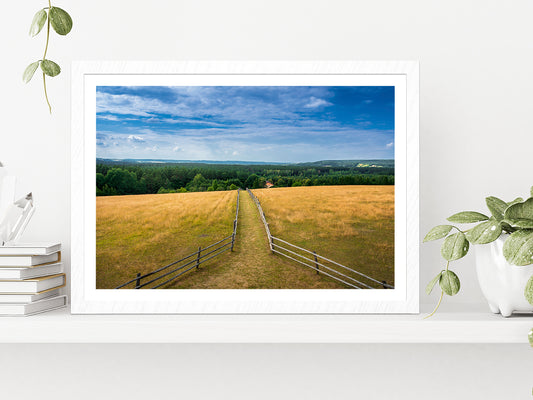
252, 265
353, 225
141, 233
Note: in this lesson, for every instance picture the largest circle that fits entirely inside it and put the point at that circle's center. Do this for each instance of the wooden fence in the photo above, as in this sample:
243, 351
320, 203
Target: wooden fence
167, 274
320, 264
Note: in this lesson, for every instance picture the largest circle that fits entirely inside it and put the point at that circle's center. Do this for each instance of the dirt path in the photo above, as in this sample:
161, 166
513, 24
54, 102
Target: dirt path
252, 265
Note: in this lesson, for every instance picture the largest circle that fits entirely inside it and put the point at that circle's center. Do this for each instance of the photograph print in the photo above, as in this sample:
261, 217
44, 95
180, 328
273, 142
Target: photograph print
245, 187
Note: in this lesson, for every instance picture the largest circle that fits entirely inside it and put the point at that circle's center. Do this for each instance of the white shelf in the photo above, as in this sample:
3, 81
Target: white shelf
476, 325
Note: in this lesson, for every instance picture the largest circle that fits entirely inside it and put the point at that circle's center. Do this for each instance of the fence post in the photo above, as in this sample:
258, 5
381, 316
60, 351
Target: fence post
198, 257
271, 242
233, 234
138, 282
316, 263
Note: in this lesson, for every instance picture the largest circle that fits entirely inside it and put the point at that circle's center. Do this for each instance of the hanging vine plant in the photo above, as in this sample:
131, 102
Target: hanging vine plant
61, 21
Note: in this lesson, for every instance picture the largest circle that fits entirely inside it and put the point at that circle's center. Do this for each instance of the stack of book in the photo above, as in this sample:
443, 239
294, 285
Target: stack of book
31, 276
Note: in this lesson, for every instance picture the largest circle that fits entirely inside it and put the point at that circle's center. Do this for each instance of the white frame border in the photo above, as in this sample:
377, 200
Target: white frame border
85, 300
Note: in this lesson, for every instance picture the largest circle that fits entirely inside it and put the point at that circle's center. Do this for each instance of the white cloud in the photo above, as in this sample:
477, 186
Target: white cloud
221, 105
186, 121
315, 102
123, 104
147, 131
107, 117
136, 139
213, 124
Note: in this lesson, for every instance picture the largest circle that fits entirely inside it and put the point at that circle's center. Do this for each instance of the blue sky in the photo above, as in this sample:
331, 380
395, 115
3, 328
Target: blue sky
245, 123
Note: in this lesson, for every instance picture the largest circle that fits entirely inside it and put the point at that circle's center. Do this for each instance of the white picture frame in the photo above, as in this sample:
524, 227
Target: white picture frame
402, 299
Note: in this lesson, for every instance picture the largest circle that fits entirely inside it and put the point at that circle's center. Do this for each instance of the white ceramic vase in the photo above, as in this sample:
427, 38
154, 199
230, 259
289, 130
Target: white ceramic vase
502, 283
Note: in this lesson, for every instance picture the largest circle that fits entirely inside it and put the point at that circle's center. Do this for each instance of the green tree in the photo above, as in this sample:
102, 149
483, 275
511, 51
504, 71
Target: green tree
281, 182
252, 181
261, 182
108, 191
198, 184
124, 182
100, 180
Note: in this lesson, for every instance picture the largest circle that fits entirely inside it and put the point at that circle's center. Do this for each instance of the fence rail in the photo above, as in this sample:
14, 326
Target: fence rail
193, 261
320, 264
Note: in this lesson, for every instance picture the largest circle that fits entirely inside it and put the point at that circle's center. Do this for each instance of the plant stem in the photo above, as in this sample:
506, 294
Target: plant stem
438, 305
46, 94
461, 230
440, 299
44, 55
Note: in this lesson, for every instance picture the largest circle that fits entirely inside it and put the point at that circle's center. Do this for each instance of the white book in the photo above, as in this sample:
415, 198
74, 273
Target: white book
32, 286
29, 260
28, 298
30, 249
50, 303
35, 272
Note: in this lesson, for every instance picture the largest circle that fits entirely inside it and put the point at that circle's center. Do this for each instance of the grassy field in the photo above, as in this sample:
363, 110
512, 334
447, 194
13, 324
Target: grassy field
144, 232
353, 225
252, 265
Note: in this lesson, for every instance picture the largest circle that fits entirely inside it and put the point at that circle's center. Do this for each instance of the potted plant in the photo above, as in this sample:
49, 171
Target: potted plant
504, 267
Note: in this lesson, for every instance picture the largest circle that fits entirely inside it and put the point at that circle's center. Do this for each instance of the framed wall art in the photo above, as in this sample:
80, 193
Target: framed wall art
245, 187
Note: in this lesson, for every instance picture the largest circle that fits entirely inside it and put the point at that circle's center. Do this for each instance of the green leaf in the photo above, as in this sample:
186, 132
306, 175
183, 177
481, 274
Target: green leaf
438, 232
507, 227
466, 217
433, 282
528, 293
496, 207
518, 248
60, 20
520, 210
38, 22
449, 283
520, 214
515, 201
520, 223
29, 71
50, 68
485, 232
531, 191
454, 247
530, 337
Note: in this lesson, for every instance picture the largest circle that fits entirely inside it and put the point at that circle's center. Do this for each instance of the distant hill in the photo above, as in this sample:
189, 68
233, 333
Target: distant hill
158, 161
322, 163
350, 163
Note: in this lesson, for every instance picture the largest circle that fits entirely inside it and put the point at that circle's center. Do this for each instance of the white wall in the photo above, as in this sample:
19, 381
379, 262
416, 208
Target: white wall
476, 59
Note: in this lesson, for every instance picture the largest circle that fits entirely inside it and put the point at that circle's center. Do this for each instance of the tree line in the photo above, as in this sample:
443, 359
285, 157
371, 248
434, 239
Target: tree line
122, 179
